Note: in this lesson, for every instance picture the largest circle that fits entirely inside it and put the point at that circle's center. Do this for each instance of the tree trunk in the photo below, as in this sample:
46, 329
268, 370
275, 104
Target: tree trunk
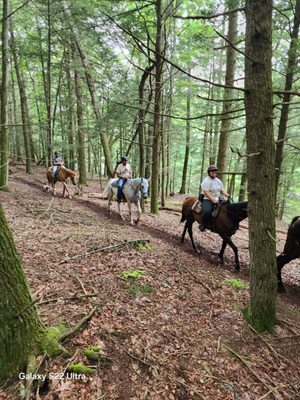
48, 86
92, 90
24, 107
70, 130
141, 122
21, 331
260, 164
229, 81
157, 108
292, 63
80, 132
4, 147
187, 140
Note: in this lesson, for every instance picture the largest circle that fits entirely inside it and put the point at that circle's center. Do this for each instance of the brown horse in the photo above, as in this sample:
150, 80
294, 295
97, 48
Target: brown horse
225, 224
62, 176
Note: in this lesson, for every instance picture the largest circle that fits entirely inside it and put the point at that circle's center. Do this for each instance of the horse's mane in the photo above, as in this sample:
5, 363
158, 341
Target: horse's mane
237, 210
69, 171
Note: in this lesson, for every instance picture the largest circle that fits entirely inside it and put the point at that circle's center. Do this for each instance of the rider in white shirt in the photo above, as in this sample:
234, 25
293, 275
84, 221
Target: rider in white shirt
211, 189
123, 172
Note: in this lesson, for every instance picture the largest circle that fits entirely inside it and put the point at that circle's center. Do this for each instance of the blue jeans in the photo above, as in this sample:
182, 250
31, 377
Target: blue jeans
121, 183
207, 209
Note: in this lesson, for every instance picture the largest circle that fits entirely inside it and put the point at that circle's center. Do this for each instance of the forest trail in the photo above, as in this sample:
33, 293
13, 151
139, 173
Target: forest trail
171, 334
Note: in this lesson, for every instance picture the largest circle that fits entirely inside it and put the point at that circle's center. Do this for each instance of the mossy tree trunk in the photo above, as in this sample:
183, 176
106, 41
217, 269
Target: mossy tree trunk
157, 108
21, 331
4, 148
260, 164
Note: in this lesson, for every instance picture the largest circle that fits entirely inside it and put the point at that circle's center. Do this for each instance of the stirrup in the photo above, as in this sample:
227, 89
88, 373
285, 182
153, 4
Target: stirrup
202, 227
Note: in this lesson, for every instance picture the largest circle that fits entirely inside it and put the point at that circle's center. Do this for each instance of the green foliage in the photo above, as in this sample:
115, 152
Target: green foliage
133, 274
81, 369
93, 353
142, 246
235, 283
135, 289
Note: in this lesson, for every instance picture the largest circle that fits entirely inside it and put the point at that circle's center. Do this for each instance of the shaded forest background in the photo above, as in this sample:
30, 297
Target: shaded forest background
83, 80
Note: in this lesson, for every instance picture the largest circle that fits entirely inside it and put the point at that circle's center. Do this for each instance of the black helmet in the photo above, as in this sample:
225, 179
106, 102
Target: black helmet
212, 168
124, 158
56, 153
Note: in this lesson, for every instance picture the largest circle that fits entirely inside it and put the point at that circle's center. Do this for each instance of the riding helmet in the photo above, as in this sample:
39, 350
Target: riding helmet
124, 158
212, 168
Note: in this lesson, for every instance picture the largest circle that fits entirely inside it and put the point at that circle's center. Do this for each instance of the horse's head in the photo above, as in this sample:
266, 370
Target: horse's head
72, 177
144, 187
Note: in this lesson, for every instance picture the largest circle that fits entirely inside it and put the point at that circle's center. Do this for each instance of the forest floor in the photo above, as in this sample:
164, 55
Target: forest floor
177, 332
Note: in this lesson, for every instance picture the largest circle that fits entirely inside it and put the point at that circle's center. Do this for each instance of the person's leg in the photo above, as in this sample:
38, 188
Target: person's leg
207, 207
120, 186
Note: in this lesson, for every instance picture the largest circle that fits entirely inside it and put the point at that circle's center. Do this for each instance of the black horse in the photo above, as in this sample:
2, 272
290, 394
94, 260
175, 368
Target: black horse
225, 224
291, 250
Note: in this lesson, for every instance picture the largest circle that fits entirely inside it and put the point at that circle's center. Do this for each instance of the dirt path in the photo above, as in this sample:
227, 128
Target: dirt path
169, 335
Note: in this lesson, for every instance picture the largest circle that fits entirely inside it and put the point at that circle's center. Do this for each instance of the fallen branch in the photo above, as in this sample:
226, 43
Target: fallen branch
125, 243
77, 327
75, 297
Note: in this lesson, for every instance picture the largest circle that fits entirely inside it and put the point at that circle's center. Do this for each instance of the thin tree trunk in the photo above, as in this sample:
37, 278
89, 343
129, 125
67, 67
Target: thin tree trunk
48, 85
187, 140
80, 132
222, 160
70, 95
24, 107
4, 146
157, 108
261, 172
92, 90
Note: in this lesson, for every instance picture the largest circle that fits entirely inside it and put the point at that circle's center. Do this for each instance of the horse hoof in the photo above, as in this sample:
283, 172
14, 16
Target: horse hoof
70, 197
132, 223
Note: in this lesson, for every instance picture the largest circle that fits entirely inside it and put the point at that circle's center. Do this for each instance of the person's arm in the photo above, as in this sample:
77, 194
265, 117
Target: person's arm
224, 193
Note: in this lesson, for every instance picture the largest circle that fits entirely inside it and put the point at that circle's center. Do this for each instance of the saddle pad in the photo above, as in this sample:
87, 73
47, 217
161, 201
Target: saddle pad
114, 183
196, 207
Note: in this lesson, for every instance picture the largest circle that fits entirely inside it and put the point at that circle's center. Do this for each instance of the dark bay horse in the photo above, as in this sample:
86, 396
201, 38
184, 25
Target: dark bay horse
291, 250
225, 224
62, 176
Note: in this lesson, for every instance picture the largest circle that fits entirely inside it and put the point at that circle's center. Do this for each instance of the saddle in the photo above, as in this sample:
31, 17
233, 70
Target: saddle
197, 208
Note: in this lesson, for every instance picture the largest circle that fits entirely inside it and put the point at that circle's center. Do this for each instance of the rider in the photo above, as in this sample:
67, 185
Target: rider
211, 188
123, 172
57, 162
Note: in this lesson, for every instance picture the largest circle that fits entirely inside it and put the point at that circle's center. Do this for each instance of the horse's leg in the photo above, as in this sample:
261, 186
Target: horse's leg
221, 254
119, 210
109, 204
66, 190
139, 210
184, 232
282, 259
130, 212
235, 250
190, 231
53, 188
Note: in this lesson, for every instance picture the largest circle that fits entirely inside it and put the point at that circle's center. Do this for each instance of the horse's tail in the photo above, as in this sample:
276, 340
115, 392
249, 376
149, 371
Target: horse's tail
183, 217
106, 191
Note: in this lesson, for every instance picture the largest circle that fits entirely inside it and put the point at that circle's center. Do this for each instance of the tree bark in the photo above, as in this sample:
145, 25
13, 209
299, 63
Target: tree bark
21, 331
24, 106
222, 160
157, 108
260, 164
291, 65
187, 140
4, 146
80, 131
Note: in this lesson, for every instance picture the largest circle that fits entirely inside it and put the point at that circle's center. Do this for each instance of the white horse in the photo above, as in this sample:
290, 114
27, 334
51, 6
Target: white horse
133, 189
